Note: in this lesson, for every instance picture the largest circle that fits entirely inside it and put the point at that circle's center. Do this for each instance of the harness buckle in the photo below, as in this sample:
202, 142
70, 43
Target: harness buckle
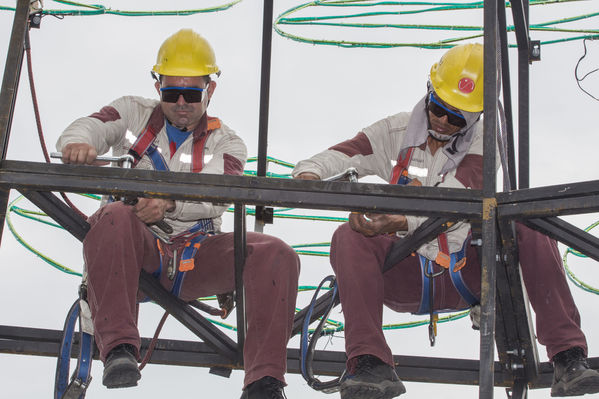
186, 265
459, 265
76, 389
443, 260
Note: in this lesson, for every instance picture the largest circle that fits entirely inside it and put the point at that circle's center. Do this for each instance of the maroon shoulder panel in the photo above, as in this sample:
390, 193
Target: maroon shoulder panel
470, 171
359, 145
232, 165
106, 114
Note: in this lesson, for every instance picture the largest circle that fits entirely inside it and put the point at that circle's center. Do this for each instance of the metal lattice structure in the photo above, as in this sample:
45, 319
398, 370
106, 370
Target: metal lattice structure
505, 323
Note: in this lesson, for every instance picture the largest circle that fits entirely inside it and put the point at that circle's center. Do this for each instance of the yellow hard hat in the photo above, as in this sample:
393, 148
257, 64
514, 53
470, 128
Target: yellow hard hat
458, 77
185, 53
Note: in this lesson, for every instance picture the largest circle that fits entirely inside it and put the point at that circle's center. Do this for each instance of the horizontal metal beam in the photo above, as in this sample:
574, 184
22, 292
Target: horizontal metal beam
427, 231
44, 342
563, 199
424, 201
62, 214
567, 234
41, 342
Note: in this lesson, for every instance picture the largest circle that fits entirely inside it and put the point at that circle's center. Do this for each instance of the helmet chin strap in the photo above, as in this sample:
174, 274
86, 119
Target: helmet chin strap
438, 136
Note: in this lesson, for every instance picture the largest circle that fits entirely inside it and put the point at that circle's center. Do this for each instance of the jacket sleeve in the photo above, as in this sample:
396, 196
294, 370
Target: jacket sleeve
369, 152
229, 154
102, 129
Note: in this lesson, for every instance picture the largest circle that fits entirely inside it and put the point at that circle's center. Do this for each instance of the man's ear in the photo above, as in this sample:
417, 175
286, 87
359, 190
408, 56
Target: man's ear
211, 88
157, 86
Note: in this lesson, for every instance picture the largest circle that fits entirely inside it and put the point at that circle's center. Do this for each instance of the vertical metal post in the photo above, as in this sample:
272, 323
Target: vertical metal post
489, 250
264, 101
507, 95
8, 92
520, 15
240, 253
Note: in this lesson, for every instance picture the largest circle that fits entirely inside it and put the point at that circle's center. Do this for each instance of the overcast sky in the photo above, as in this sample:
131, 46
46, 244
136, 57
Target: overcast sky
320, 95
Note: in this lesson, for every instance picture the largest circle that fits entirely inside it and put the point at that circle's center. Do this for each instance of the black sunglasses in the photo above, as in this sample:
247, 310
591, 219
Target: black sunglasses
439, 110
190, 94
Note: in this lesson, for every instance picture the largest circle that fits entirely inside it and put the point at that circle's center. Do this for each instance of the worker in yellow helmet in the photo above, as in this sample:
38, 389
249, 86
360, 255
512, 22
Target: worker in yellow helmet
175, 133
440, 144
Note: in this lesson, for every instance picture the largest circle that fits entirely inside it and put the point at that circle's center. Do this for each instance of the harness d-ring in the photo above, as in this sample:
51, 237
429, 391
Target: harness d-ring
432, 325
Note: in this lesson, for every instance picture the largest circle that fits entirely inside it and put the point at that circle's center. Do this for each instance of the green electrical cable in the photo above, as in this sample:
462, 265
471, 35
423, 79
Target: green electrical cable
286, 18
98, 9
571, 276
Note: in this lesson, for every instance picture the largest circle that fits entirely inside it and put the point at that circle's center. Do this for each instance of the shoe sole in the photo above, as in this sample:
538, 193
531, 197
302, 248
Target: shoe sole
121, 375
362, 390
122, 380
588, 382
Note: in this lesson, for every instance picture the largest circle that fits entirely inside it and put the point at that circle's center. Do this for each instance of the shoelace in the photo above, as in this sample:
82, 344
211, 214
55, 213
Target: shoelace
275, 391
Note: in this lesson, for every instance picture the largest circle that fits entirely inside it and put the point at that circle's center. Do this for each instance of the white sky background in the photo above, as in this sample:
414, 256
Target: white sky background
320, 95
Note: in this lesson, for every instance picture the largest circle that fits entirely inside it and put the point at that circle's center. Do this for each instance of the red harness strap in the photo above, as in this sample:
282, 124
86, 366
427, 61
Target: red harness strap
155, 124
399, 174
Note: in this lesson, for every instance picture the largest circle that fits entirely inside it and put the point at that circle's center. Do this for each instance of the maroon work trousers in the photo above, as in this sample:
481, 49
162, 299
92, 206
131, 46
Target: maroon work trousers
363, 290
119, 245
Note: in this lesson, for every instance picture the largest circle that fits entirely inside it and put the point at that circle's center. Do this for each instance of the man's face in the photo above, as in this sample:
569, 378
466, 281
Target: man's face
439, 114
183, 114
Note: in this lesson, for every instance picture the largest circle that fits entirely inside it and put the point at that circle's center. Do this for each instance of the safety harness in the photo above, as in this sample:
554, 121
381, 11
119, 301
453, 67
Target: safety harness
75, 389
445, 261
190, 240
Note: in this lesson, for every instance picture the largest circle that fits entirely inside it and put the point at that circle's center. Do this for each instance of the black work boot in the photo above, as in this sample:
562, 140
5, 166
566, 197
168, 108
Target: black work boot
264, 388
368, 377
120, 368
572, 375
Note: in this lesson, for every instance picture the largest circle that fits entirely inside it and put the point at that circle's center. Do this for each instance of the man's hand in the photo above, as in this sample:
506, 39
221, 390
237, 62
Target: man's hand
80, 154
151, 210
307, 176
374, 224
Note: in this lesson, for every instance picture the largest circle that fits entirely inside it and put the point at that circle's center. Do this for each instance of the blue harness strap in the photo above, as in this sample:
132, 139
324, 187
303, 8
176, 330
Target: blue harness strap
82, 375
455, 273
187, 261
156, 158
458, 280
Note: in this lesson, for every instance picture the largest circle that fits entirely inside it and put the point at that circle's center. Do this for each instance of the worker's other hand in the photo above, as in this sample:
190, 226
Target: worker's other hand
80, 154
374, 224
307, 176
151, 210
415, 182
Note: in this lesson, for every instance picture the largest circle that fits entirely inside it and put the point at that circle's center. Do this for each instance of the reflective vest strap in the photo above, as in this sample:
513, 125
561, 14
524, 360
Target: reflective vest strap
147, 137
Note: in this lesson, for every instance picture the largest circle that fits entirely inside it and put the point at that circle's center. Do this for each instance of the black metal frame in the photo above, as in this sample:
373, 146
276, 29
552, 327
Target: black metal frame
502, 292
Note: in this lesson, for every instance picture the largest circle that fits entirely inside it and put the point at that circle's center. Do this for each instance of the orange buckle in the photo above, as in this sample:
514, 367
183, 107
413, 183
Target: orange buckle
459, 264
186, 265
443, 260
